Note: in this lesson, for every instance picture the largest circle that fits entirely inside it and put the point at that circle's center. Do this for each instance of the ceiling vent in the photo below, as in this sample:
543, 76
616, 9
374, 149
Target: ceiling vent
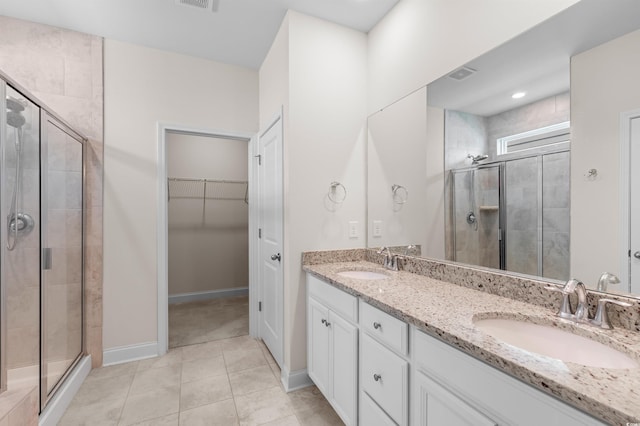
462, 73
211, 5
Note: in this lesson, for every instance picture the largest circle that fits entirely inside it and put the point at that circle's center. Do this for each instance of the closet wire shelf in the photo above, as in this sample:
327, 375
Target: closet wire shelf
207, 189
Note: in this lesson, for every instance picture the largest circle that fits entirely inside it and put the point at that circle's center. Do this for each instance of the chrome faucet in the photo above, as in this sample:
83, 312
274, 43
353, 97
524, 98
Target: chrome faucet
607, 279
581, 313
410, 248
390, 260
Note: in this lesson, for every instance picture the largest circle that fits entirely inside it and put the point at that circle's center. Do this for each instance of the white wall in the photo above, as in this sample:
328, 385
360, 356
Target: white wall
208, 239
420, 40
145, 86
319, 72
328, 66
604, 83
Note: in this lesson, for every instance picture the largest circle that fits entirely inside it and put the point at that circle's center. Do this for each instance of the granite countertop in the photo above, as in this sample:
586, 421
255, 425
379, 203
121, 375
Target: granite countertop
447, 311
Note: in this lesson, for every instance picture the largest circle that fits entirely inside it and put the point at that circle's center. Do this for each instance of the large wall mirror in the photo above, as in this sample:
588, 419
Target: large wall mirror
525, 159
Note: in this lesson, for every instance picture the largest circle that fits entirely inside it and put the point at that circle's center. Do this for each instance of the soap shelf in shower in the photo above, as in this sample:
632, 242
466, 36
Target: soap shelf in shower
207, 189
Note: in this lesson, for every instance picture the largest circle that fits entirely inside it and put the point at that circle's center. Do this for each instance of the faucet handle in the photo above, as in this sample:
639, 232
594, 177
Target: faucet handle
565, 308
601, 319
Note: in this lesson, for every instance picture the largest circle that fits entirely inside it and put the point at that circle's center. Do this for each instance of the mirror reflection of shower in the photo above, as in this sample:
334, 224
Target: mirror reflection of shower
476, 159
18, 222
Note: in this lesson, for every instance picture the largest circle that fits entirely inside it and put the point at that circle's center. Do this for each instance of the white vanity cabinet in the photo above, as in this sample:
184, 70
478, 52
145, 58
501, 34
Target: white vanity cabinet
450, 387
384, 367
332, 346
376, 370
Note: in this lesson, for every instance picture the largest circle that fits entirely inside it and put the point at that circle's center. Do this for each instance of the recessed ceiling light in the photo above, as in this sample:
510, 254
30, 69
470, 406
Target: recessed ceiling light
518, 95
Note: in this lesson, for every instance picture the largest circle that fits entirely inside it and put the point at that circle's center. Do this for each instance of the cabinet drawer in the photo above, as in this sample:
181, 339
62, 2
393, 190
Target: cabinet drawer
335, 299
384, 327
371, 414
384, 377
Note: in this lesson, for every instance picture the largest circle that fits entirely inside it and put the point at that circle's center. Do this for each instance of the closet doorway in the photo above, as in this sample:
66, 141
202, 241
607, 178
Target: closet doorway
207, 237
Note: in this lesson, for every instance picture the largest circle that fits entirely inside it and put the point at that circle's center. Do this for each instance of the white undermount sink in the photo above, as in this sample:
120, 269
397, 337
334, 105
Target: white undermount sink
364, 275
555, 343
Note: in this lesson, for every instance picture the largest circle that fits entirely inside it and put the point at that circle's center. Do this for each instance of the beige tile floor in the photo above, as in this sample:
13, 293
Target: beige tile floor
232, 381
204, 321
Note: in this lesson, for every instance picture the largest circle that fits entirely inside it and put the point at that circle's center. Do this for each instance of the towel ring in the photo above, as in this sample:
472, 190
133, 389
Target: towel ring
337, 192
399, 193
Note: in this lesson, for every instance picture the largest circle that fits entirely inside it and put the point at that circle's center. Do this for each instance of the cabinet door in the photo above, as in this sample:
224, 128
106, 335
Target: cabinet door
371, 414
433, 405
318, 345
344, 372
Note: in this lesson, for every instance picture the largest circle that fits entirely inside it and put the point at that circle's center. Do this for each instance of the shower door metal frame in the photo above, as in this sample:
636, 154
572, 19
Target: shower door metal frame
47, 118
501, 207
3, 314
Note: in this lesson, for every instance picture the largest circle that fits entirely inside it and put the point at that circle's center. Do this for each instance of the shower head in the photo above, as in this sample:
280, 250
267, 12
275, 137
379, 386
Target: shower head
14, 105
15, 119
475, 159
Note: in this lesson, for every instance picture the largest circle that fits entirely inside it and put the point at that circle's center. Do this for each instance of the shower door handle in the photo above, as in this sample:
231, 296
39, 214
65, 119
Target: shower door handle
46, 258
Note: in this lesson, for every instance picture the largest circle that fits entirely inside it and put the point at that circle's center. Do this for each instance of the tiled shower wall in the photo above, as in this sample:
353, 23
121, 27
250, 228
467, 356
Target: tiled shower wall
542, 113
64, 70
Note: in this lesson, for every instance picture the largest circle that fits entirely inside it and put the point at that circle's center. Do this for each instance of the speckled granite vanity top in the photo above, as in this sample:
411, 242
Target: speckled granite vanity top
447, 311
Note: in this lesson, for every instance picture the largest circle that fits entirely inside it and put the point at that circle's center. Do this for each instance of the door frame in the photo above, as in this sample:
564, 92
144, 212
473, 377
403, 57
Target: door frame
625, 195
163, 222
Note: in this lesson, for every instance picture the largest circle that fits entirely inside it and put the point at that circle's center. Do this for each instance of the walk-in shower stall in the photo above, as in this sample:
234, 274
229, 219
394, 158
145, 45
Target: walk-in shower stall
513, 214
41, 251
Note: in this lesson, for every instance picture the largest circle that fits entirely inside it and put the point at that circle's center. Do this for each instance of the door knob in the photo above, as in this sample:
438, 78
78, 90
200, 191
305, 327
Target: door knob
636, 255
276, 257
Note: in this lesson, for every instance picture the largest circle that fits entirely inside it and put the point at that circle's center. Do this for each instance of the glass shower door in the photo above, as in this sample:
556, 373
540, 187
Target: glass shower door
20, 239
62, 237
476, 216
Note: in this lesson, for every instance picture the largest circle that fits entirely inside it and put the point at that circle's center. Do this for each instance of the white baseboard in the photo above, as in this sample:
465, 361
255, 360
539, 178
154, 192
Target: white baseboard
294, 380
129, 353
63, 397
206, 295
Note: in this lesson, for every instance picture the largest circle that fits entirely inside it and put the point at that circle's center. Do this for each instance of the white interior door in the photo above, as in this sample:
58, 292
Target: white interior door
634, 216
271, 236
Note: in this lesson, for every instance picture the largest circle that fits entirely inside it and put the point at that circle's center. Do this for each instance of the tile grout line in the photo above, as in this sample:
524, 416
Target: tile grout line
233, 396
124, 404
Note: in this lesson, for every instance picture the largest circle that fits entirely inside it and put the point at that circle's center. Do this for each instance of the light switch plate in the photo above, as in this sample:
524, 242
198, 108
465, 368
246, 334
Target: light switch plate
377, 228
353, 229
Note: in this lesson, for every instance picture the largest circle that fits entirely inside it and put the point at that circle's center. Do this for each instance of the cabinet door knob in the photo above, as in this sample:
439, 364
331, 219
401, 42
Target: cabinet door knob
377, 377
636, 255
324, 321
276, 257
377, 325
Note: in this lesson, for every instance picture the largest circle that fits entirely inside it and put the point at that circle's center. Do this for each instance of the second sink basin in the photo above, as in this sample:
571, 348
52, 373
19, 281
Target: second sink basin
363, 275
555, 343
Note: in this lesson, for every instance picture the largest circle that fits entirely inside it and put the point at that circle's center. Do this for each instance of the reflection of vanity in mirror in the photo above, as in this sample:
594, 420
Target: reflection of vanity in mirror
520, 159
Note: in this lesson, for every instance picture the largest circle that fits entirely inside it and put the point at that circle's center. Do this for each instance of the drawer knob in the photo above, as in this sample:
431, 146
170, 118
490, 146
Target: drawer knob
325, 322
377, 325
377, 377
